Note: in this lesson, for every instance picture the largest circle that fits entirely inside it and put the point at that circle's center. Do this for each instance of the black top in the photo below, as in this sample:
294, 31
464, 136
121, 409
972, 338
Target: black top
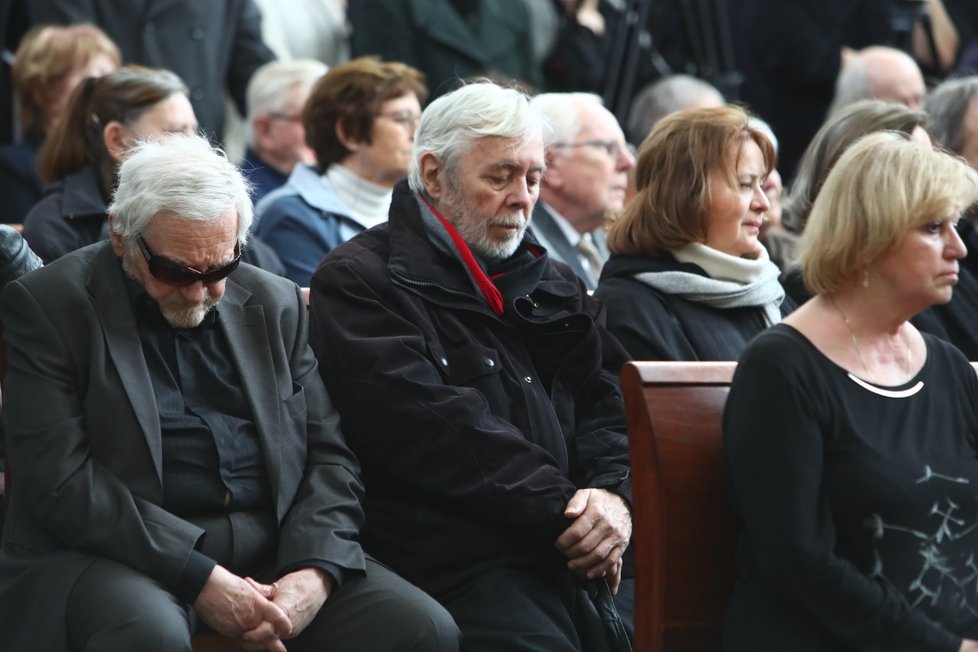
653, 325
859, 509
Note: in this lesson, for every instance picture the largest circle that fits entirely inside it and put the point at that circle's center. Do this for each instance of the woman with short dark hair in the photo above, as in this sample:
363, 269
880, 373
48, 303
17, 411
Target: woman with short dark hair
359, 120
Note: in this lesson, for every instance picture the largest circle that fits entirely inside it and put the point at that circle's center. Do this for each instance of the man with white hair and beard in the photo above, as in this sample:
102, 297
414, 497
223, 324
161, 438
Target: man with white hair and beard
172, 440
477, 384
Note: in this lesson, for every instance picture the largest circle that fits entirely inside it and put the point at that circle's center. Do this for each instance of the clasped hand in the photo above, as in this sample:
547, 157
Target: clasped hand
262, 615
598, 536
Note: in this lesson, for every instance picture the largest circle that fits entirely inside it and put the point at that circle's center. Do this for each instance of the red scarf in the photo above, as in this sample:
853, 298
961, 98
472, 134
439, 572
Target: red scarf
492, 294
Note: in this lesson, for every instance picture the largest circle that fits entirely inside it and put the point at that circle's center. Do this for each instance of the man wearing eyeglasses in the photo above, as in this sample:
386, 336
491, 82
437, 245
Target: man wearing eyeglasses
477, 385
586, 180
177, 458
274, 133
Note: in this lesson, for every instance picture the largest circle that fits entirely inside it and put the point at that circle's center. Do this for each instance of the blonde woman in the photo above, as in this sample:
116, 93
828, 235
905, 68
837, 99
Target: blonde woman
851, 436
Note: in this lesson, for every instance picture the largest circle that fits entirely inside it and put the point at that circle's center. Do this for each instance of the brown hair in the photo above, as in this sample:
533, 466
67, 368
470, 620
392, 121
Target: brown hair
46, 56
349, 96
672, 178
121, 96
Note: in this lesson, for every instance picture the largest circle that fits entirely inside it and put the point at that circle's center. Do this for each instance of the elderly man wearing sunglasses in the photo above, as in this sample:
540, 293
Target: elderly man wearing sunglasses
172, 440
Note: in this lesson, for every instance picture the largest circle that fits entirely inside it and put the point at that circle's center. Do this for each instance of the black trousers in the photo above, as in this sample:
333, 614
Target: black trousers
113, 608
508, 610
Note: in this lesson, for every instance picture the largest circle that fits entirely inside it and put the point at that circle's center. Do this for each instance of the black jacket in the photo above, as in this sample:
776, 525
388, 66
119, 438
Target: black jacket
653, 325
473, 429
70, 216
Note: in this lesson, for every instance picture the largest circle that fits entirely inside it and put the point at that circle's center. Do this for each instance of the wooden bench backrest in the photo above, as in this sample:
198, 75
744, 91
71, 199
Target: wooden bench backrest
684, 529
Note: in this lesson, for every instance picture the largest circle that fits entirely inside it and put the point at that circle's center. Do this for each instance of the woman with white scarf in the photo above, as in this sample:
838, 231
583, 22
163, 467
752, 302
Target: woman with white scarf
688, 278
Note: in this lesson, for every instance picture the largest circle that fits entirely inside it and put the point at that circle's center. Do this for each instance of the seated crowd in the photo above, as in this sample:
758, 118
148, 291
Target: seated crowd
359, 390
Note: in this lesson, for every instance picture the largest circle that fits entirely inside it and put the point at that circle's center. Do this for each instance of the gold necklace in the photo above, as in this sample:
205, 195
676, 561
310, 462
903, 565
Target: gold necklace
855, 345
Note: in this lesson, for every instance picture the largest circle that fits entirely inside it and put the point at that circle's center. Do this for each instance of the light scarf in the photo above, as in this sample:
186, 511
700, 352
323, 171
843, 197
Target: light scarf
733, 282
367, 202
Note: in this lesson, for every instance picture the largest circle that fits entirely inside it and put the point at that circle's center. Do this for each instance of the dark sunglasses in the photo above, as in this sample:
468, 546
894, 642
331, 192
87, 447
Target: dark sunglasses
174, 273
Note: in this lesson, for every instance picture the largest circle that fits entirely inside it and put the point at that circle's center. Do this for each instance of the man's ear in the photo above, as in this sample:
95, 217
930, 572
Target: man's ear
116, 239
431, 175
261, 126
114, 139
554, 176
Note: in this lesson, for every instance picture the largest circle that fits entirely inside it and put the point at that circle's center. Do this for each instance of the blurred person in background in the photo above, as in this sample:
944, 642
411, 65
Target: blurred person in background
586, 181
359, 121
274, 134
214, 46
104, 118
50, 62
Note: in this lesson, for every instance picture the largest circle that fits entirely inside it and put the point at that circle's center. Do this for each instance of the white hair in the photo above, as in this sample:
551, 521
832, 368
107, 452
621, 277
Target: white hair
268, 90
563, 112
451, 124
184, 175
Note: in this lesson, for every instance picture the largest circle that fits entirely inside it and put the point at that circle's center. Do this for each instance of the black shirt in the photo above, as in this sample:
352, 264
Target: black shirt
212, 459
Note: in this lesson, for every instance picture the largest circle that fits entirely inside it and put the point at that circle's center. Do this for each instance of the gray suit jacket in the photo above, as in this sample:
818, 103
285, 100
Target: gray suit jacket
548, 233
85, 448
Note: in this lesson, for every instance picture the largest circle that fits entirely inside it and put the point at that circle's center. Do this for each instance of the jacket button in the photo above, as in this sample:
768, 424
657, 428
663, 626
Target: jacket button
528, 379
443, 361
197, 33
489, 362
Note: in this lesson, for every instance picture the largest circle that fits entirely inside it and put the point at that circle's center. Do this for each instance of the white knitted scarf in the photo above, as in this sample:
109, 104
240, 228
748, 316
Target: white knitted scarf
732, 282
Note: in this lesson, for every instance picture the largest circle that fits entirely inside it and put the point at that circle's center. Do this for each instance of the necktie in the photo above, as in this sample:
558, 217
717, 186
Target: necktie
590, 254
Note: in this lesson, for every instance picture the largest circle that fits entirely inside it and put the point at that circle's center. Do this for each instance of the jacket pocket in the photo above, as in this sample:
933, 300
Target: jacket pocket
295, 405
466, 364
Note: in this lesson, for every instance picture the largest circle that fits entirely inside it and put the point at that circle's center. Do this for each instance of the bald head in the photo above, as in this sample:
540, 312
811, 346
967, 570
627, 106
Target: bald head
881, 73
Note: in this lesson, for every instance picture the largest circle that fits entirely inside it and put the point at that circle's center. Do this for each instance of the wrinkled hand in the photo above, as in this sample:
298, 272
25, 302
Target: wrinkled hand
596, 540
231, 605
968, 645
300, 595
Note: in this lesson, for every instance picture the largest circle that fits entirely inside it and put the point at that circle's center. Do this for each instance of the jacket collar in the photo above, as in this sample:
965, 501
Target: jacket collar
81, 196
311, 188
418, 264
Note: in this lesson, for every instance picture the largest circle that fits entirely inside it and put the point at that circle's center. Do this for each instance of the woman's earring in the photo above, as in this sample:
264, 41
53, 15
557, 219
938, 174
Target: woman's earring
866, 279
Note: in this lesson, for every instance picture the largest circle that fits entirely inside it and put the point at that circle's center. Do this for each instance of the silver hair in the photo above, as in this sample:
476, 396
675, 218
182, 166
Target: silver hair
663, 97
452, 123
268, 90
947, 105
182, 174
562, 110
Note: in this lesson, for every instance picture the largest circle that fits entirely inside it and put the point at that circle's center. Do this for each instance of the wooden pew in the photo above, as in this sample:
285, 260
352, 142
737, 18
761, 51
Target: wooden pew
684, 529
